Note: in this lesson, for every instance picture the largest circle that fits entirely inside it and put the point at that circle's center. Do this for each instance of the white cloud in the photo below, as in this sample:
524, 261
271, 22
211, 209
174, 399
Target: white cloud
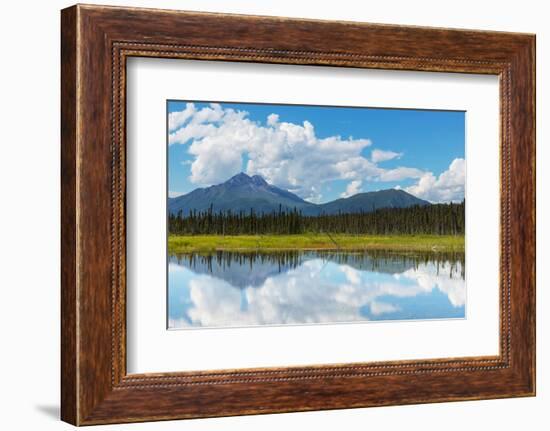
382, 156
448, 187
352, 167
178, 119
377, 308
288, 155
353, 188
172, 194
272, 119
400, 173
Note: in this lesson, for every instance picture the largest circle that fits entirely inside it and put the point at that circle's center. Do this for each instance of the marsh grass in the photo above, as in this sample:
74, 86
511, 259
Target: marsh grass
208, 243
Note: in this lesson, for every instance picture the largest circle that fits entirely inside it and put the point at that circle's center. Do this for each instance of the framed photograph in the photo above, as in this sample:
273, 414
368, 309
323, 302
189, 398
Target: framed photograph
265, 215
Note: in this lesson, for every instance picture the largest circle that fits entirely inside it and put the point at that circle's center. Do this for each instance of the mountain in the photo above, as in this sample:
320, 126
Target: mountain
242, 192
366, 202
239, 193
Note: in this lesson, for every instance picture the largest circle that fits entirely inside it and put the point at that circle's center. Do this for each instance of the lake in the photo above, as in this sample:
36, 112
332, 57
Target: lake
234, 289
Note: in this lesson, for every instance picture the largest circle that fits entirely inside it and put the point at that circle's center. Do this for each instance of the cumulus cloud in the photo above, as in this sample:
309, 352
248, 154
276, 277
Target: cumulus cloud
178, 119
272, 119
352, 188
400, 174
288, 155
382, 156
172, 194
448, 187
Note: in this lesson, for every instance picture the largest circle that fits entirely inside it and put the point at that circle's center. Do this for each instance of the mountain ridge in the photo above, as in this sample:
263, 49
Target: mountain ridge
242, 192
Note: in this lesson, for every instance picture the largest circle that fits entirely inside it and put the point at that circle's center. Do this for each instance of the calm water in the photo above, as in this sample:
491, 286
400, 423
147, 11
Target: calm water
235, 289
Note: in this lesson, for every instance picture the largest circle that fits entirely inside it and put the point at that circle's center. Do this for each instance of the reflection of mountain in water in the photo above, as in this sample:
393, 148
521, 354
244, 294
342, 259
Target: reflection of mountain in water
252, 269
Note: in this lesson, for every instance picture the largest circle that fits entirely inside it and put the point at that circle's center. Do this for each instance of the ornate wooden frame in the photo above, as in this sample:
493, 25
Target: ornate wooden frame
95, 43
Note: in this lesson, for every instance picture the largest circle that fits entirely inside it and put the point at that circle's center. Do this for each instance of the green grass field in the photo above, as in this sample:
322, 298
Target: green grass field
205, 243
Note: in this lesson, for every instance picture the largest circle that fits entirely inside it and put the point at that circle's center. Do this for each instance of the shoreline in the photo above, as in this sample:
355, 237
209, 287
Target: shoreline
178, 244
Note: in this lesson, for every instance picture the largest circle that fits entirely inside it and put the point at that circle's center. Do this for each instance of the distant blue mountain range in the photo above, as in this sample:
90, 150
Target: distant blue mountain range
243, 193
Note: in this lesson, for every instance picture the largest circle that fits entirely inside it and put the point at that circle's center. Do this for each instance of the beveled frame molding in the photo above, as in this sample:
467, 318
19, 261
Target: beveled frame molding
96, 41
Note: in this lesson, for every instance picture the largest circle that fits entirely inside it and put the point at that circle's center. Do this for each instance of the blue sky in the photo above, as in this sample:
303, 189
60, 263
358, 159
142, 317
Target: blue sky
320, 153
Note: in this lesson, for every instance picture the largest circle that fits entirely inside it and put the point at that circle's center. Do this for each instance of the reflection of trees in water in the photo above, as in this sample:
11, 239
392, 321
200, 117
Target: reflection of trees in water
225, 259
282, 261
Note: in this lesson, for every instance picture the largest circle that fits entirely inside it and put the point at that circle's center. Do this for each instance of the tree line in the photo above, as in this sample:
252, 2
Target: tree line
437, 219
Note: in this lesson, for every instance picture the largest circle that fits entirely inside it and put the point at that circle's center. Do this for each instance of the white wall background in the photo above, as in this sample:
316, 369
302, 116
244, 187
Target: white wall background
29, 215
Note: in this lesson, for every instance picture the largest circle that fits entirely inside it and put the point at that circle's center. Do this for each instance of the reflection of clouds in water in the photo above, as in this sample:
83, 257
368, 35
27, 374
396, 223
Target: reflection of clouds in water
377, 308
317, 291
428, 279
174, 268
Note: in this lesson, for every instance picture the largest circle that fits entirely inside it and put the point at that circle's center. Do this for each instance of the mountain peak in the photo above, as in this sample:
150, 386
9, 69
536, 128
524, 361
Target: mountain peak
258, 180
240, 178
